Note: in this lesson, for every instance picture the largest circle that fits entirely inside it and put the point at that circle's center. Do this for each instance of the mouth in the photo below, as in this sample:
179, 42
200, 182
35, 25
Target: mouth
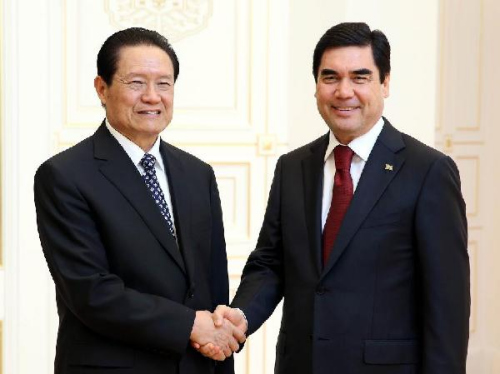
149, 112
345, 108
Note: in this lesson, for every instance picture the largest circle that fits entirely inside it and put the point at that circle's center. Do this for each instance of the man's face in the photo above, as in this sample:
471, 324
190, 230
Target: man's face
139, 100
349, 95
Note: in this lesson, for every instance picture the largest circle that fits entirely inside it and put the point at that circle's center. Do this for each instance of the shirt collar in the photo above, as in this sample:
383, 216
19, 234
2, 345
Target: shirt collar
362, 145
135, 152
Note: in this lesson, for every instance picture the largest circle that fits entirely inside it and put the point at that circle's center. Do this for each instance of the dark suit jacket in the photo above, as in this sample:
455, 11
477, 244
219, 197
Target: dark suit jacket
126, 293
394, 294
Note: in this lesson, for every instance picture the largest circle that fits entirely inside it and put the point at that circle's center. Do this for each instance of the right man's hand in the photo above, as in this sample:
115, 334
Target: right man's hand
216, 342
234, 315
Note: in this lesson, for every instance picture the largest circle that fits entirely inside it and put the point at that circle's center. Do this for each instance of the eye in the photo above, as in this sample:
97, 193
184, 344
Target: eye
163, 86
330, 79
361, 79
136, 84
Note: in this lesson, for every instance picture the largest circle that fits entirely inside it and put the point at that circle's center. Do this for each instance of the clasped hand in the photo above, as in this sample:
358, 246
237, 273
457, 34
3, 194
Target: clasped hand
218, 335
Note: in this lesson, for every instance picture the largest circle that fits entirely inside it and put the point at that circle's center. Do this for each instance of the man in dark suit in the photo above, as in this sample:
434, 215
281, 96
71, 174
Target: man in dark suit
131, 228
374, 272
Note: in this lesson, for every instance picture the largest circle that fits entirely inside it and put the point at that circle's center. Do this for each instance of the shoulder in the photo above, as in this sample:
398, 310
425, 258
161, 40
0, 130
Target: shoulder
187, 159
412, 148
421, 161
420, 149
70, 158
317, 145
420, 156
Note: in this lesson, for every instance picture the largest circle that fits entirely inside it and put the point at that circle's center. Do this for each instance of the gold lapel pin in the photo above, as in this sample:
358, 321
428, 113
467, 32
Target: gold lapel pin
389, 167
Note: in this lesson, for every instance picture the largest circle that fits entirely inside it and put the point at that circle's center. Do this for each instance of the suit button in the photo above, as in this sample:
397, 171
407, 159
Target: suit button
320, 290
191, 295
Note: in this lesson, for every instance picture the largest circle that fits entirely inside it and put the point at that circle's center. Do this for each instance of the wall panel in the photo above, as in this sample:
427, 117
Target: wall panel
224, 111
245, 95
2, 287
467, 131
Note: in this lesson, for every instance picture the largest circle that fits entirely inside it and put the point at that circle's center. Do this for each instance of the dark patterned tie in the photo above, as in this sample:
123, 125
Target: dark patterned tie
341, 197
148, 163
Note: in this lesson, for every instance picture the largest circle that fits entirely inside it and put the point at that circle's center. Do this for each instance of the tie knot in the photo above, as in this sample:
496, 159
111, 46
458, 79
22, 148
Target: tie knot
148, 161
343, 157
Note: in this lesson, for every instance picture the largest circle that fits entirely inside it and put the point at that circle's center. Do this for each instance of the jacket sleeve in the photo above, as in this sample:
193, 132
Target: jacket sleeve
219, 281
77, 260
441, 234
261, 287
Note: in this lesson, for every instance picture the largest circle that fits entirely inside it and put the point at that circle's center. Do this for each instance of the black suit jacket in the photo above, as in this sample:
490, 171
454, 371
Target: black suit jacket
126, 292
394, 294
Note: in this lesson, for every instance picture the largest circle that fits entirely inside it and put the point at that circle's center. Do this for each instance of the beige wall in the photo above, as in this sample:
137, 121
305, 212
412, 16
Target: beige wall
239, 115
468, 80
412, 30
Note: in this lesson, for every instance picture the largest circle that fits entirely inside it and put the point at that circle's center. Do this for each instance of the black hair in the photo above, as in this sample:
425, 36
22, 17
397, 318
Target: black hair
107, 58
355, 34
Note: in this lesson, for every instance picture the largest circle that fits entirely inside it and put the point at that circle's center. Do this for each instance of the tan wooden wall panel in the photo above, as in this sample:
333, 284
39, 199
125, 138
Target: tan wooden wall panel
467, 130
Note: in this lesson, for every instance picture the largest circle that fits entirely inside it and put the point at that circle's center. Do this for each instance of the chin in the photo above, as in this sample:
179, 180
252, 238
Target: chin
345, 126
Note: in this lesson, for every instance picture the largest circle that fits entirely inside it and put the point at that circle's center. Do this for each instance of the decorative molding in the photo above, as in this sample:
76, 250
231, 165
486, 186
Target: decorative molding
440, 78
470, 178
267, 144
230, 108
1, 145
267, 69
239, 117
176, 18
495, 362
480, 55
1, 342
62, 145
447, 31
239, 178
234, 281
473, 253
474, 228
10, 113
448, 144
185, 144
3, 291
452, 142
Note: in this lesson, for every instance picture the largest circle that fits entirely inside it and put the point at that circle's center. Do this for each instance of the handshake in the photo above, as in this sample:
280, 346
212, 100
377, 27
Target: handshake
218, 335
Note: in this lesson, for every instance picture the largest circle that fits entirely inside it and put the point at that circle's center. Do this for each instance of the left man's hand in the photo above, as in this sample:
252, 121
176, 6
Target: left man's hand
216, 342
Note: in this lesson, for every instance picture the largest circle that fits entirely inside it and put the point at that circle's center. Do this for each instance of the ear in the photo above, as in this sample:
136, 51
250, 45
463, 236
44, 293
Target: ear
385, 86
101, 87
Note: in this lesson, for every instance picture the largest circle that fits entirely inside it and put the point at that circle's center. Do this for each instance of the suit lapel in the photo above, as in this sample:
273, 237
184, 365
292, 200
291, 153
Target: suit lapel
312, 171
180, 195
382, 166
119, 170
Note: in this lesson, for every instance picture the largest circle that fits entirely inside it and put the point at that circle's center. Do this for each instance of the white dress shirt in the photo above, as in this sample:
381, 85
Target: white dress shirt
136, 154
362, 147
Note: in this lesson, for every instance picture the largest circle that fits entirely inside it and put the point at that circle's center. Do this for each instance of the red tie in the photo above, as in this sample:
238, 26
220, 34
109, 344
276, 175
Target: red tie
341, 197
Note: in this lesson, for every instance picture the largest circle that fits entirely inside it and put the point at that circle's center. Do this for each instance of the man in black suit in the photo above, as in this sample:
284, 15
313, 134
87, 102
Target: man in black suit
364, 237
131, 228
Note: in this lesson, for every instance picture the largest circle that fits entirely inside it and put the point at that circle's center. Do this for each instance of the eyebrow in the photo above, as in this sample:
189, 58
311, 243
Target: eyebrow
328, 72
362, 71
133, 74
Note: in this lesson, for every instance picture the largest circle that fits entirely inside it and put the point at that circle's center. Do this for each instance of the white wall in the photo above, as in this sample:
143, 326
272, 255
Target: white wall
412, 30
275, 111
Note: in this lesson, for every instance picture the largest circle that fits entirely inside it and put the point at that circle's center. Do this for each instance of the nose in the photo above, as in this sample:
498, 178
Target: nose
150, 95
344, 89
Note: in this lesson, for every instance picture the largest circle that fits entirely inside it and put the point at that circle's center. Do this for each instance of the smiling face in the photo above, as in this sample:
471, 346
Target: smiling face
349, 95
139, 100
